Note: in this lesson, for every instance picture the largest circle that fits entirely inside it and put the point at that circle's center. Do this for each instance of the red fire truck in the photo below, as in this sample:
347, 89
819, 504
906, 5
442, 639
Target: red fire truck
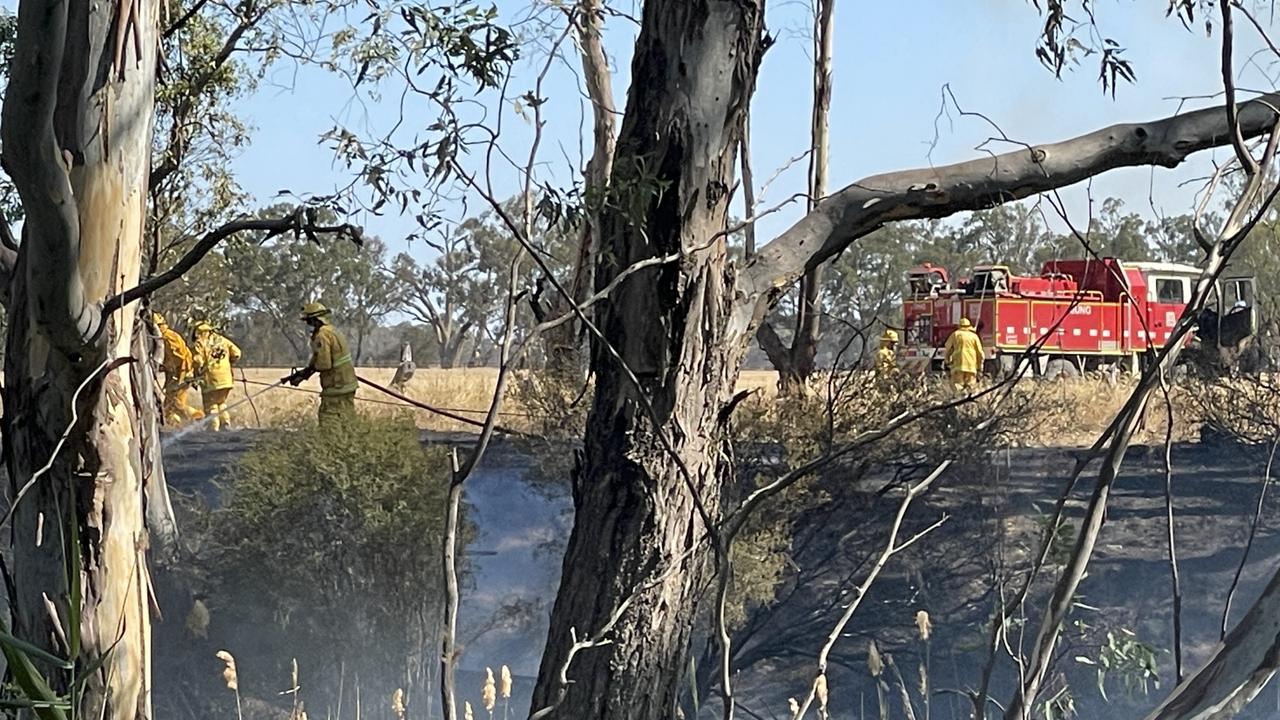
1076, 315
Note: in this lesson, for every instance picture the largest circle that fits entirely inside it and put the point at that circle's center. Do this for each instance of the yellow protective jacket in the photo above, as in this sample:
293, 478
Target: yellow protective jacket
886, 360
177, 362
213, 357
963, 351
331, 357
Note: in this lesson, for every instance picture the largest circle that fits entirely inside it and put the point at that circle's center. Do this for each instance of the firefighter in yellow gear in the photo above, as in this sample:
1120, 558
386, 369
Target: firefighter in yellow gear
331, 357
214, 355
963, 354
887, 355
177, 365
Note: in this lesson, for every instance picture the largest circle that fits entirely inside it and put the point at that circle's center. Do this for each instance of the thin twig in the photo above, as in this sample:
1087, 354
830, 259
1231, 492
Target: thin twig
1253, 531
1247, 160
1174, 579
891, 548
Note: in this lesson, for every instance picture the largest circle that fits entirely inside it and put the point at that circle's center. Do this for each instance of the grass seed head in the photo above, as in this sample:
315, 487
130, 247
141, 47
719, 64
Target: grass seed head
793, 706
874, 663
229, 672
820, 690
397, 703
489, 693
466, 711
505, 688
923, 625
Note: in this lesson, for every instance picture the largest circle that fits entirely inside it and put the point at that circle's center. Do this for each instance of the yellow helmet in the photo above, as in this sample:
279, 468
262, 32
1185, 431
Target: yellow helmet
158, 319
964, 323
890, 335
203, 327
314, 310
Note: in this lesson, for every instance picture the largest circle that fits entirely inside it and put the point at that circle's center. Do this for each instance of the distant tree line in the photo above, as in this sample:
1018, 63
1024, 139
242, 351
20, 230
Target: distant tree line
863, 287
448, 306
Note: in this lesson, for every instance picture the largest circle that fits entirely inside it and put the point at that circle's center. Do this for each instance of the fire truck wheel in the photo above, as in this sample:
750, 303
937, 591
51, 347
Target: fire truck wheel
1059, 368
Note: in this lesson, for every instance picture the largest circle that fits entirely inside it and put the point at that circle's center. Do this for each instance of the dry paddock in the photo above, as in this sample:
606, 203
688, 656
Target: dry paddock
466, 392
1067, 412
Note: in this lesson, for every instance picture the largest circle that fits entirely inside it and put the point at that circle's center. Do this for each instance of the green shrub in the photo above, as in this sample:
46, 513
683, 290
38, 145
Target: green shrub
327, 548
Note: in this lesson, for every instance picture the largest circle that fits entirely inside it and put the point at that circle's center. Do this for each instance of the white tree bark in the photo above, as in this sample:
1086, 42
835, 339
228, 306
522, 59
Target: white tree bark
77, 125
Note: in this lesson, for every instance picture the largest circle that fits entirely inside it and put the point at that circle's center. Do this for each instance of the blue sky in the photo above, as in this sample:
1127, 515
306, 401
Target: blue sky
892, 60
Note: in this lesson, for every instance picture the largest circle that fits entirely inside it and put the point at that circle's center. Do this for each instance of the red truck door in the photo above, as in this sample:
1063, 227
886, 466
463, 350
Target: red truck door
1167, 296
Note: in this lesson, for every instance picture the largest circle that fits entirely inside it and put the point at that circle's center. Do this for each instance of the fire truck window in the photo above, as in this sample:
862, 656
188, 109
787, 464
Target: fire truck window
999, 282
1239, 293
1170, 291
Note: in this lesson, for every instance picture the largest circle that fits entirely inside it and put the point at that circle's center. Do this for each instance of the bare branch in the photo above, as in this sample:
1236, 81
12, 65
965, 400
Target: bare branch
975, 184
891, 548
588, 21
1175, 579
299, 222
748, 183
1229, 91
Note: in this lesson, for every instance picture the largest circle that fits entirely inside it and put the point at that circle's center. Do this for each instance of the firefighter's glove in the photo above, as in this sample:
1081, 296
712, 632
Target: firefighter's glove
296, 377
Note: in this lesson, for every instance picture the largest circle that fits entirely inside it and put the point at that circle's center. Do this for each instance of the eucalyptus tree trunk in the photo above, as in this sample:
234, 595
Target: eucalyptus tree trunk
798, 361
651, 476
79, 429
564, 347
648, 484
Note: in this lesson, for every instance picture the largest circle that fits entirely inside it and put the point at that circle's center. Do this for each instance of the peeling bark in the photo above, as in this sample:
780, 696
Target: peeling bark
77, 138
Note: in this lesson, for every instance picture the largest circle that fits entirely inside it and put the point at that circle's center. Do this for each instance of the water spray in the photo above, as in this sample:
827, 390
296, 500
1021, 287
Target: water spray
202, 423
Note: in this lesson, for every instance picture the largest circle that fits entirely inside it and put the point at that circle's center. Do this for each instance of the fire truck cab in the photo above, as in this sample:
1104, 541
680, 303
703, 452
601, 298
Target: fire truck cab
1076, 315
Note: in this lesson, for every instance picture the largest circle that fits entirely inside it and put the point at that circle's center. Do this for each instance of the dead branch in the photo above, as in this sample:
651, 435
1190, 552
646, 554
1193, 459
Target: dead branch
891, 548
1174, 577
588, 21
461, 473
449, 633
748, 184
301, 222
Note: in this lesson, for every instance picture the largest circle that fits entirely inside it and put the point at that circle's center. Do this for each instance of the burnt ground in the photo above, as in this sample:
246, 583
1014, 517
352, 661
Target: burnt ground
993, 513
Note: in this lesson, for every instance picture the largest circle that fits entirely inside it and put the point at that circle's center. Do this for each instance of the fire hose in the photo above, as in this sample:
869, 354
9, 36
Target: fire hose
401, 399
206, 420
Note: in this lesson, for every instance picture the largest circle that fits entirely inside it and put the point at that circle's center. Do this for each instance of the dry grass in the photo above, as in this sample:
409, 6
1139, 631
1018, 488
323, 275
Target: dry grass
1072, 413
465, 392
1067, 412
